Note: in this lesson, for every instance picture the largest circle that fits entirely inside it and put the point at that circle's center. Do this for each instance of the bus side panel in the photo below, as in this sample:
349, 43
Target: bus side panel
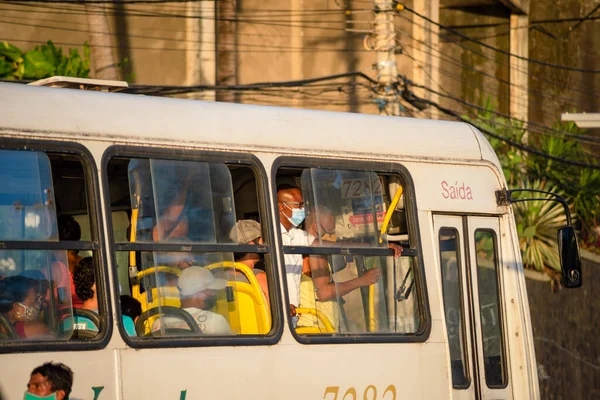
295, 371
520, 338
456, 188
94, 373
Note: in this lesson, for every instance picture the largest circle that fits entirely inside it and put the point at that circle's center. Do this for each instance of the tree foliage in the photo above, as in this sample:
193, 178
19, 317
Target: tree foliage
538, 221
42, 62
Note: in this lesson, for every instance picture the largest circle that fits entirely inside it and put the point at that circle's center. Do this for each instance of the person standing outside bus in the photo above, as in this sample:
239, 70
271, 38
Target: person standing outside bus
290, 204
50, 379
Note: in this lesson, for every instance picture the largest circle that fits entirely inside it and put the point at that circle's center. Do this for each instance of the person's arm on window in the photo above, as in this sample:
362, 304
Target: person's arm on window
327, 290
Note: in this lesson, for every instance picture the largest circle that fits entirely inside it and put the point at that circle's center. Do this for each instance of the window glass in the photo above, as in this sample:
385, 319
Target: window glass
453, 306
39, 194
353, 198
180, 278
489, 308
341, 276
27, 207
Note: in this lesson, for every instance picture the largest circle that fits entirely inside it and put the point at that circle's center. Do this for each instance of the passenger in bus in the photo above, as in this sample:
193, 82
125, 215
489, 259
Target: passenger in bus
85, 287
248, 231
317, 287
50, 381
198, 288
131, 309
290, 204
69, 230
173, 222
44, 286
20, 305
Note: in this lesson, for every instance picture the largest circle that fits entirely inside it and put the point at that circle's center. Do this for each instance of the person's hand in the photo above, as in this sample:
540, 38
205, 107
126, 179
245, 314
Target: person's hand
293, 310
397, 249
371, 276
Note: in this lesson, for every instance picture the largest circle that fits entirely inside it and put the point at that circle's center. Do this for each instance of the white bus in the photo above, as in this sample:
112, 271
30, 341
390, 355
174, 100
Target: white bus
144, 189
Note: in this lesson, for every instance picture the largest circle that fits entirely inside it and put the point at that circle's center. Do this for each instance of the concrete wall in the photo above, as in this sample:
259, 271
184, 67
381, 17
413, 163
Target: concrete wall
567, 341
468, 70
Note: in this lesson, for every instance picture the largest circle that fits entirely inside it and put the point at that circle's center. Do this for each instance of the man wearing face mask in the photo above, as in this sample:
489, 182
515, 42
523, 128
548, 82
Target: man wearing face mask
198, 288
20, 303
50, 381
290, 204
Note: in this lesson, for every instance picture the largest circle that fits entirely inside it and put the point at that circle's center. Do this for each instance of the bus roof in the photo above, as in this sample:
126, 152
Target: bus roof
117, 117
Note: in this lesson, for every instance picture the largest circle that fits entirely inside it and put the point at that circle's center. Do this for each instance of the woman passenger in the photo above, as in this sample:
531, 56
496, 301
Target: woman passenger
248, 231
69, 229
20, 304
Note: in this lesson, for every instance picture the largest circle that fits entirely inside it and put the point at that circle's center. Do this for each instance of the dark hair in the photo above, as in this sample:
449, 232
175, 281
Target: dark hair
68, 228
84, 278
286, 186
130, 307
14, 289
59, 375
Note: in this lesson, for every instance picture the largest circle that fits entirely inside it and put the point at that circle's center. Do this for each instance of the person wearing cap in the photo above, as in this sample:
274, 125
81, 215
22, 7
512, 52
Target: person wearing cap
198, 288
248, 231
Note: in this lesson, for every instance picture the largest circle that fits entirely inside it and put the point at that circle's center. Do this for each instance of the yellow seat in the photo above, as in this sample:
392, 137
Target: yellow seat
156, 296
324, 325
249, 314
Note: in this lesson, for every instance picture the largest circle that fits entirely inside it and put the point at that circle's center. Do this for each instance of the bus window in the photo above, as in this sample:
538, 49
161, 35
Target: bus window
39, 194
180, 259
489, 308
453, 304
342, 278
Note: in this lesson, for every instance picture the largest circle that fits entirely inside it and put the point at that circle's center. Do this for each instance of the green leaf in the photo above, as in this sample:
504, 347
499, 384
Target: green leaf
52, 54
529, 232
20, 71
36, 65
11, 52
6, 68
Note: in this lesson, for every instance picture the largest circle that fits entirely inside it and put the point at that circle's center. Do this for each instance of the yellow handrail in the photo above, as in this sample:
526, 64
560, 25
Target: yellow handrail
322, 319
372, 321
388, 214
134, 218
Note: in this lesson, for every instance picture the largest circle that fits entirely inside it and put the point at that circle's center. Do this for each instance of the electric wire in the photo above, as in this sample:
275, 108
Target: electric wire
410, 96
531, 126
530, 60
459, 63
507, 64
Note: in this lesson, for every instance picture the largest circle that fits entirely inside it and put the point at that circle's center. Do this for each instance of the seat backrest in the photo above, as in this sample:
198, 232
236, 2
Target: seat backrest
251, 309
249, 312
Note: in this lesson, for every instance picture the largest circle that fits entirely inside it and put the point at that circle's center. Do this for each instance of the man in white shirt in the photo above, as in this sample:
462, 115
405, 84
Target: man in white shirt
198, 288
291, 214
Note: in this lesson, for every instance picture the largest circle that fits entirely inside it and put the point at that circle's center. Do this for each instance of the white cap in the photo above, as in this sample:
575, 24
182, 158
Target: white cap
197, 279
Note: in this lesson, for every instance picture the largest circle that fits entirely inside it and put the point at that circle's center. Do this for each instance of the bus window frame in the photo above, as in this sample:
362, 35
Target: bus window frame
92, 192
410, 202
501, 304
199, 155
464, 345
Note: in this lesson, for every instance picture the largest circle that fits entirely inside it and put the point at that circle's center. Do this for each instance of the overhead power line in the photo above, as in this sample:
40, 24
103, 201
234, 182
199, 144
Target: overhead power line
584, 91
508, 53
171, 90
410, 97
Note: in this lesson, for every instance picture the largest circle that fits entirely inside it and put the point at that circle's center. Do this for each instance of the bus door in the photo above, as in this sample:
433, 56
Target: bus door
469, 262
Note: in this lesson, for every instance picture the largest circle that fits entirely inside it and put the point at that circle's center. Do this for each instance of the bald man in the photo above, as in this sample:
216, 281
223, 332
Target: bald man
290, 204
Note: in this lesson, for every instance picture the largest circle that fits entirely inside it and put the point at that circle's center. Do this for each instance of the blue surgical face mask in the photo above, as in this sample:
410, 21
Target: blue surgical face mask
297, 215
31, 396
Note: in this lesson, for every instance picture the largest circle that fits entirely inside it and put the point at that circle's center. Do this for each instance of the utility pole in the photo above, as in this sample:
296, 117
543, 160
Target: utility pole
426, 44
387, 70
200, 47
226, 48
103, 59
